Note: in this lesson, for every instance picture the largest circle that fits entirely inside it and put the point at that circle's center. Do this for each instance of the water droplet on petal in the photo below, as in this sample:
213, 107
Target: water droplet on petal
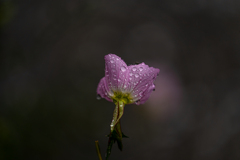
123, 68
119, 80
141, 68
134, 69
137, 102
130, 74
98, 97
112, 61
130, 78
136, 75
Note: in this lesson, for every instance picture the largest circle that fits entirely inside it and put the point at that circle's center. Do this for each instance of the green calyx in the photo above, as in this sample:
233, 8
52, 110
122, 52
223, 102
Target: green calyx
123, 97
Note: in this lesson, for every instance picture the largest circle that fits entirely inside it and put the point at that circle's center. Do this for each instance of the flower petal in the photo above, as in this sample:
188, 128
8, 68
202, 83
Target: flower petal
141, 78
146, 95
116, 72
102, 89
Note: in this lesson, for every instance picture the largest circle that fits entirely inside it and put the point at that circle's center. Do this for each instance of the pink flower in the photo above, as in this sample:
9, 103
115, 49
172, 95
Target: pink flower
122, 85
128, 84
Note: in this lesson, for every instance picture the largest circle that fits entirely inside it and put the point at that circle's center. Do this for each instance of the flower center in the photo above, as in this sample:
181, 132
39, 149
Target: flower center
124, 97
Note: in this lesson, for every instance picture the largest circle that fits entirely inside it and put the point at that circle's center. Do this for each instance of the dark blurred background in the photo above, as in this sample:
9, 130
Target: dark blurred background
52, 58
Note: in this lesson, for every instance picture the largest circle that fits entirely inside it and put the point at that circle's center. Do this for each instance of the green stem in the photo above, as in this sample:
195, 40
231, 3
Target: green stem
98, 150
117, 114
116, 132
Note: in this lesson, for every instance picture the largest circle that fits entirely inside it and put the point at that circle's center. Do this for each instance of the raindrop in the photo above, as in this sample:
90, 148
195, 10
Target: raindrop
136, 75
114, 79
134, 69
146, 85
141, 68
117, 59
98, 97
112, 61
137, 102
130, 74
123, 68
125, 86
119, 80
130, 78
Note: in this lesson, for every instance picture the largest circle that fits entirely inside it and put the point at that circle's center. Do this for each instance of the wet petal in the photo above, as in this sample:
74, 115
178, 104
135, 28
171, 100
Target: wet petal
146, 95
116, 72
102, 89
141, 78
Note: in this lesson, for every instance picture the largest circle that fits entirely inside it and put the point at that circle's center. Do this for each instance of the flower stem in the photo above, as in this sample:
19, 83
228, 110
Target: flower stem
98, 150
116, 131
117, 114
